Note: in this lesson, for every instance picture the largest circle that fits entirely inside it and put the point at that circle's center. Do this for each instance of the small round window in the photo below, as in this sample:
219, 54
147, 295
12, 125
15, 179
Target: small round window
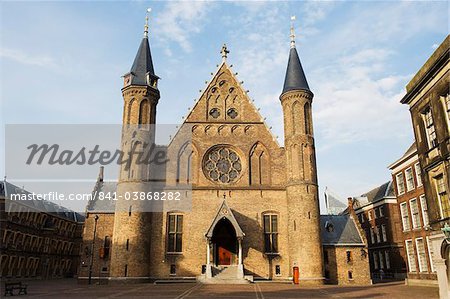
232, 113
214, 112
222, 164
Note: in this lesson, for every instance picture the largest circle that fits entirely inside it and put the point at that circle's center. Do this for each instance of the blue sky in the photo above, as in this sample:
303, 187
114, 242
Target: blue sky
61, 62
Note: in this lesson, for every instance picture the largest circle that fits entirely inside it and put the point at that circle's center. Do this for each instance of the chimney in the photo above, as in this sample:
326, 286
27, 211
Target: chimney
350, 202
352, 214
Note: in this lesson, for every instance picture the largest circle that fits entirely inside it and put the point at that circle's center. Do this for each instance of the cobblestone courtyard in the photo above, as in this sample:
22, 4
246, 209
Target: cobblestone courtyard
69, 288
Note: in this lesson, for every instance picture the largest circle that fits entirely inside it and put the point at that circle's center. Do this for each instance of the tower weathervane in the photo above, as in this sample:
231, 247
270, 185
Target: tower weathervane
292, 32
224, 52
146, 22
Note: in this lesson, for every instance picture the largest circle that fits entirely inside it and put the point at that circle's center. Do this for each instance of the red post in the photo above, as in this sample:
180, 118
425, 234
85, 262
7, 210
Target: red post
296, 275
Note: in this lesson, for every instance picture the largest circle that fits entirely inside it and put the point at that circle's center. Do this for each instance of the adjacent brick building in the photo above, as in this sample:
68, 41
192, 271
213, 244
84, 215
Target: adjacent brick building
39, 239
377, 211
413, 208
428, 98
345, 250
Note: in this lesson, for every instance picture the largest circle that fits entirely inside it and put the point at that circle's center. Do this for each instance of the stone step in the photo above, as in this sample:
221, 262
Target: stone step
226, 281
225, 275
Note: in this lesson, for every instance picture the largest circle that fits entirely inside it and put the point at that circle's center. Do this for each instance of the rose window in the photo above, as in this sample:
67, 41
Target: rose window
222, 164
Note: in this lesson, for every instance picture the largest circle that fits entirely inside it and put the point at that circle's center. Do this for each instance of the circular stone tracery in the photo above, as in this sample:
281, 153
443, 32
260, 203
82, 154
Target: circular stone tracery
222, 164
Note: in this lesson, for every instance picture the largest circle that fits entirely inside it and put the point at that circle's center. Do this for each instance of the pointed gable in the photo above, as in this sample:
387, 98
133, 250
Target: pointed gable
224, 101
224, 212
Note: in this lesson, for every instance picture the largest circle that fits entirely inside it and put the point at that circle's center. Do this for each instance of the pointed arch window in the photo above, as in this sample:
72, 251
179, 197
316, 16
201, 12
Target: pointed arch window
144, 112
187, 159
259, 173
307, 118
131, 106
296, 115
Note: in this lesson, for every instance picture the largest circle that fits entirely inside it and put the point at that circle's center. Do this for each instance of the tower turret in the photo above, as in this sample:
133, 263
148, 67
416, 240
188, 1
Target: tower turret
305, 249
132, 221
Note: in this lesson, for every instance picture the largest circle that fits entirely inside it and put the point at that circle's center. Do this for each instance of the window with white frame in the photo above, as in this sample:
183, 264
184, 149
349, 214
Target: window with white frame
424, 206
375, 260
421, 256
430, 254
414, 213
441, 190
369, 214
383, 232
381, 259
409, 179
418, 174
411, 256
375, 213
372, 235
400, 183
388, 260
446, 102
377, 234
381, 211
405, 216
429, 127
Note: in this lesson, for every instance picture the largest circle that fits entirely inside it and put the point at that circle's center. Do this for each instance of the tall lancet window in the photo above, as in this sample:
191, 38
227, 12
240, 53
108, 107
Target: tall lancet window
144, 112
259, 165
186, 164
296, 117
307, 112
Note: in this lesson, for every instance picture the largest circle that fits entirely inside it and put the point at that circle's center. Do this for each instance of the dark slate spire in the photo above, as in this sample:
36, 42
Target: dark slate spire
143, 63
295, 77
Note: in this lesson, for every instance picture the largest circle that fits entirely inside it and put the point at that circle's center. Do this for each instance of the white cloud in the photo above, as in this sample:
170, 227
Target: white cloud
179, 20
27, 58
315, 11
358, 101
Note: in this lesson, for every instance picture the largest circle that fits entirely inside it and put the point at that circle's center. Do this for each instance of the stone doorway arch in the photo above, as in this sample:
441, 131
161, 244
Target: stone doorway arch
225, 244
223, 232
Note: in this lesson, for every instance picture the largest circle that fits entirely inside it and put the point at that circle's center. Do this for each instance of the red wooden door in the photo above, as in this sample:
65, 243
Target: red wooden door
224, 256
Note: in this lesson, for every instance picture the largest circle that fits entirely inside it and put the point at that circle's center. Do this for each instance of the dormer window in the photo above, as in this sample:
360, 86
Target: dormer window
152, 80
126, 80
329, 227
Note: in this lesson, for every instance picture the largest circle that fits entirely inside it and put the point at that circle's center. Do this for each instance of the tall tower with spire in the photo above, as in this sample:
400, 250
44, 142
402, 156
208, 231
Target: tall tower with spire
305, 250
130, 256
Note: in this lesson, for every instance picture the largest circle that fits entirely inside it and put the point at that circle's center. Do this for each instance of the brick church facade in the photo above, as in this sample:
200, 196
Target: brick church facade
255, 205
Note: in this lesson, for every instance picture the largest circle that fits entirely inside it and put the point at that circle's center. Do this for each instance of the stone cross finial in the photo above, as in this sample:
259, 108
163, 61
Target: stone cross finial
224, 52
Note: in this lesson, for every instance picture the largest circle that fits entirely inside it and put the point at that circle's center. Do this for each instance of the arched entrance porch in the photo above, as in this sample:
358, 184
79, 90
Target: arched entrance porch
225, 244
224, 241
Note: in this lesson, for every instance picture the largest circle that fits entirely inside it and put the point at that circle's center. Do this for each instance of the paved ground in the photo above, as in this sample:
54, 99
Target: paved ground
68, 288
